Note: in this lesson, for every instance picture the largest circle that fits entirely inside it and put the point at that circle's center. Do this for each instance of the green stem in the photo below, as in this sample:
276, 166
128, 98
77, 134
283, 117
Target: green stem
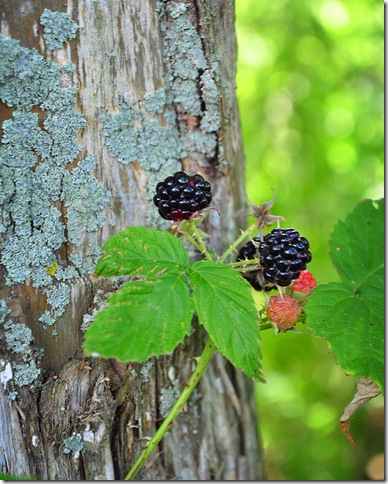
243, 237
202, 362
201, 244
192, 241
243, 263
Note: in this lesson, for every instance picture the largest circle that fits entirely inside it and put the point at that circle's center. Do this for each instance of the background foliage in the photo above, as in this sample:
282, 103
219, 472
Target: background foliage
310, 90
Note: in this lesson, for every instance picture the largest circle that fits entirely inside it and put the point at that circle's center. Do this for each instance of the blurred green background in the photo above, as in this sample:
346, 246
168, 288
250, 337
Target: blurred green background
311, 98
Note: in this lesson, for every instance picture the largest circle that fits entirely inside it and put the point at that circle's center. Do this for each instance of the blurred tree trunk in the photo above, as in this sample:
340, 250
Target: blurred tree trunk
155, 85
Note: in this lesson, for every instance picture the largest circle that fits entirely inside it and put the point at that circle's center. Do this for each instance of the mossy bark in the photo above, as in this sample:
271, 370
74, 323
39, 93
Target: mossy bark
84, 418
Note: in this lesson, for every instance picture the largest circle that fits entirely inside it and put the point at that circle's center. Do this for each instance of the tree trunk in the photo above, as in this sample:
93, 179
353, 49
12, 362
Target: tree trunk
100, 99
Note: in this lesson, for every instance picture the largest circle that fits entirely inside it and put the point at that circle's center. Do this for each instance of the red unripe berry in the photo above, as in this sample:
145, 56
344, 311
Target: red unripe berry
284, 311
305, 283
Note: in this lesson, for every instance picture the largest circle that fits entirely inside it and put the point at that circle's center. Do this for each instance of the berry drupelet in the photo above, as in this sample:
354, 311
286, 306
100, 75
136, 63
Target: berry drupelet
283, 253
179, 196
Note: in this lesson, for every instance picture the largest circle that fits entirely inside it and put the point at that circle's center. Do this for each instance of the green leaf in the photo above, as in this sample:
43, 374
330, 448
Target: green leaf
356, 246
141, 251
143, 319
350, 314
353, 325
225, 307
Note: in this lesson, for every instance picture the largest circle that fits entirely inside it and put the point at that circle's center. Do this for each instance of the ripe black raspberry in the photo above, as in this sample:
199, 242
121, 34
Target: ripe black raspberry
283, 253
179, 196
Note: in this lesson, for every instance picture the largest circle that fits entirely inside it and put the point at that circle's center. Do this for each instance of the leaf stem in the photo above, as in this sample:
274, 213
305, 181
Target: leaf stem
244, 235
202, 362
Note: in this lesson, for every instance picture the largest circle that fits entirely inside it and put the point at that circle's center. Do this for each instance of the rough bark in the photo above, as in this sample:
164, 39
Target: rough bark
156, 88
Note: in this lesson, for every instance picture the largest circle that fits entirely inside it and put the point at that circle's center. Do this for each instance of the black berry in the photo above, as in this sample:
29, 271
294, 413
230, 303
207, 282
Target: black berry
283, 253
179, 196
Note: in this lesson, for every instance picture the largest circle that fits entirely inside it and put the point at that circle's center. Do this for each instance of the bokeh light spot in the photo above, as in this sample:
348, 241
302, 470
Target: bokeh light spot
310, 50
341, 156
320, 416
333, 14
339, 123
299, 86
278, 163
278, 107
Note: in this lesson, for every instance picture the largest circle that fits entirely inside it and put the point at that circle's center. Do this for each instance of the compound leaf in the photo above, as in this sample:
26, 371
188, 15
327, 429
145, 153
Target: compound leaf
141, 251
144, 318
350, 314
356, 246
225, 307
353, 327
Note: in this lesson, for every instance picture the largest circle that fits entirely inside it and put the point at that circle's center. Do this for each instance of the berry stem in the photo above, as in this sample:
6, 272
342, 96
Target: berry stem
202, 362
242, 264
200, 245
245, 235
192, 241
264, 326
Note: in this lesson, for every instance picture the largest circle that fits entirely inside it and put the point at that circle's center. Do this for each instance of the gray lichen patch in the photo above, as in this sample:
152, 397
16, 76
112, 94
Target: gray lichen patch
25, 373
26, 77
73, 445
130, 136
168, 398
191, 80
148, 136
156, 101
58, 28
19, 341
211, 119
145, 370
184, 55
45, 201
195, 142
80, 193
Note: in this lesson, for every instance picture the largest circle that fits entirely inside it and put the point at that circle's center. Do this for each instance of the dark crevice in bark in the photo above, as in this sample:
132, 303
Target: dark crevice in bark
83, 472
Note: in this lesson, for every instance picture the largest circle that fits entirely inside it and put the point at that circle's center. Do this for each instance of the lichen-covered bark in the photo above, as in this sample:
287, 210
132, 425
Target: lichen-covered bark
98, 101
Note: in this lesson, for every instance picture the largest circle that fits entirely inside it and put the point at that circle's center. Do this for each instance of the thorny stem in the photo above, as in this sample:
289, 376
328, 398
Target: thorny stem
192, 241
202, 362
246, 234
241, 265
197, 238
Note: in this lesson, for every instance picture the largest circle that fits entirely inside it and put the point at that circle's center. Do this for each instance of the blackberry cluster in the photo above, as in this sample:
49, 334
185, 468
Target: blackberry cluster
179, 196
283, 253
255, 278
